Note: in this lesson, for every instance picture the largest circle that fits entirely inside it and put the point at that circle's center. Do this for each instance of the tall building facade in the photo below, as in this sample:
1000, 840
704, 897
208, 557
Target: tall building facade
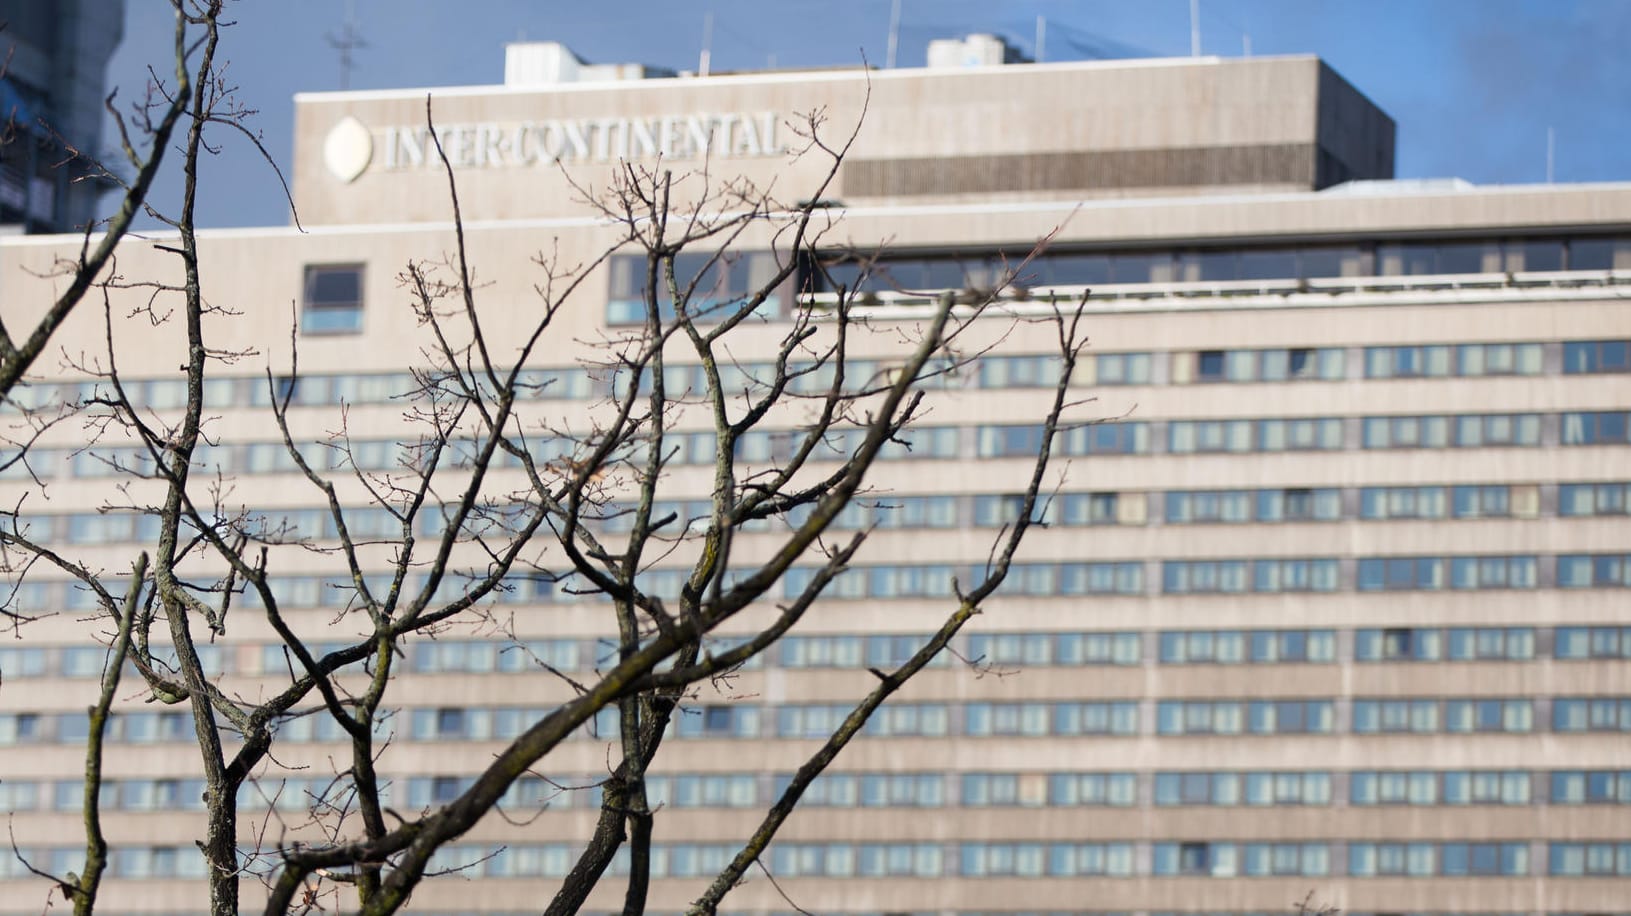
1332, 601
51, 99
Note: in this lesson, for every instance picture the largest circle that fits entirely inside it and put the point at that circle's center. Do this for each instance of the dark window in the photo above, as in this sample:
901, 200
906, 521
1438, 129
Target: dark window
333, 299
1075, 270
1273, 264
1587, 356
1396, 643
444, 789
1194, 859
1462, 258
1534, 254
1299, 363
1141, 268
1598, 254
1210, 365
716, 719
1299, 505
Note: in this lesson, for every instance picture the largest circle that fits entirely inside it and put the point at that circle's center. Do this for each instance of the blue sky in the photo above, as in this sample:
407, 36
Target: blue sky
1474, 85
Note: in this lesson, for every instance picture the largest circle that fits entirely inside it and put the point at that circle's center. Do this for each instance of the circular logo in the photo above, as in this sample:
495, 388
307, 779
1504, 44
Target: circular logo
348, 149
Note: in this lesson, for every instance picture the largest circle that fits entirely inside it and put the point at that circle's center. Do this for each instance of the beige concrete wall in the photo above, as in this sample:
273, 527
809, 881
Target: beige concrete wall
1233, 114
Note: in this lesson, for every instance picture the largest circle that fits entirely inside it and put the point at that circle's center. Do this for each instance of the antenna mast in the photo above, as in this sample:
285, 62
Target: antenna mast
894, 35
349, 39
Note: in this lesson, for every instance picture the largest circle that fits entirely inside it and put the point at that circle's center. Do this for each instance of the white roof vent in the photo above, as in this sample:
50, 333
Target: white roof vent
539, 63
550, 63
978, 50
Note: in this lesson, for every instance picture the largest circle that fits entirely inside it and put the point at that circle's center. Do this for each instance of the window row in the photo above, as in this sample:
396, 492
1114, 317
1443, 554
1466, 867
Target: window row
1232, 576
1228, 788
982, 270
1253, 717
1063, 649
1218, 859
682, 381
926, 442
1451, 716
1440, 360
1426, 860
986, 510
1450, 644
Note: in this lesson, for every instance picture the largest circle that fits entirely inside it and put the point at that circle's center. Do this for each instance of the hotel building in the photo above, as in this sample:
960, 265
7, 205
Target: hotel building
1334, 601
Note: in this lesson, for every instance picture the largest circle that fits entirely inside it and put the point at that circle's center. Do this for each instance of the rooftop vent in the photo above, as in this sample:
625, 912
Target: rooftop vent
550, 63
978, 50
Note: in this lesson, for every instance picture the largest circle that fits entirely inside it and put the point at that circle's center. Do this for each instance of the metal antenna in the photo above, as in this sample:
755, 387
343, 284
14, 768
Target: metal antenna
1041, 39
349, 39
1551, 154
1194, 28
894, 35
707, 43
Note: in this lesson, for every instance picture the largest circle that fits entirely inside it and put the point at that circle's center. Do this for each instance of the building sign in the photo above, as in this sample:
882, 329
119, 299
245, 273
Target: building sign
351, 148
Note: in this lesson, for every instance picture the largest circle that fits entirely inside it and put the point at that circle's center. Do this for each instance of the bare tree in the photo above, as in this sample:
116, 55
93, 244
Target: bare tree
515, 497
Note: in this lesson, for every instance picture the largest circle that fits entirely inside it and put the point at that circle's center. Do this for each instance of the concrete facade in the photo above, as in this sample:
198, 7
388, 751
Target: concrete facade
1392, 739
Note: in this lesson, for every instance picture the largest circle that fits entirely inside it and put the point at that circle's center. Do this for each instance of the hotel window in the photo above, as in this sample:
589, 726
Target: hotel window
333, 299
718, 722
1203, 506
1193, 859
1470, 716
1580, 499
1098, 648
1595, 571
1430, 258
1487, 787
1113, 369
1071, 789
1204, 576
1595, 428
1459, 644
1255, 789
1281, 365
1438, 361
1076, 859
1229, 717
1592, 642
1266, 859
1455, 716
1230, 576
1303, 434
1591, 714
1395, 716
1299, 504
1432, 573
1233, 647
1572, 860
1402, 502
1420, 860
1592, 356
721, 283
1591, 787
29, 661
24, 728
996, 790
1035, 649
1470, 431
1091, 508
1296, 575
1018, 371
1393, 788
